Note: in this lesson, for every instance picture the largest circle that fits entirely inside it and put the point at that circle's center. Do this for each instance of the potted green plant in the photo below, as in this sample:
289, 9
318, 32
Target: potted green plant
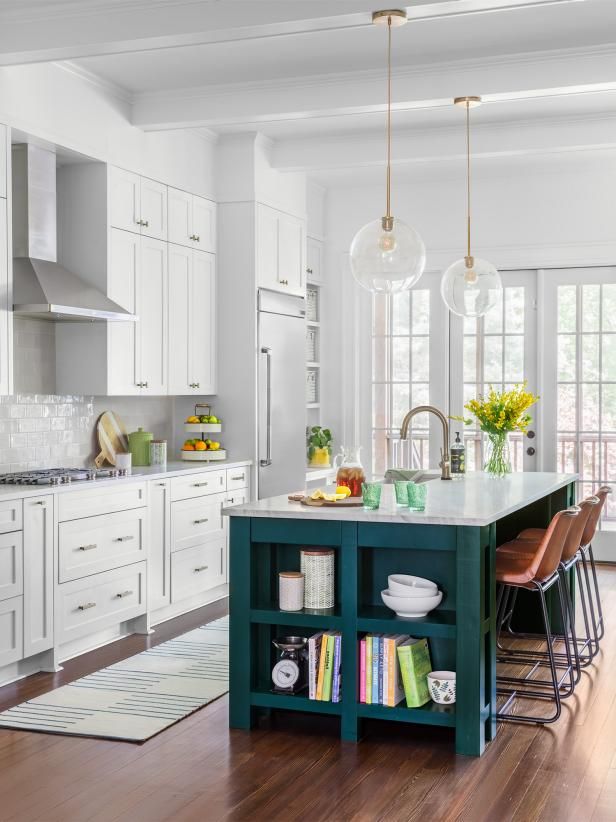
319, 443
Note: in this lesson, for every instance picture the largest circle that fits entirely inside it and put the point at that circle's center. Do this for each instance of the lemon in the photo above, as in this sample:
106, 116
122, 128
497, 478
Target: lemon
334, 497
343, 491
318, 494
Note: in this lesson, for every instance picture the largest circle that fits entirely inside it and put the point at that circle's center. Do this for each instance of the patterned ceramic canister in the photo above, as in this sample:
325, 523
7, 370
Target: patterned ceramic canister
442, 687
318, 569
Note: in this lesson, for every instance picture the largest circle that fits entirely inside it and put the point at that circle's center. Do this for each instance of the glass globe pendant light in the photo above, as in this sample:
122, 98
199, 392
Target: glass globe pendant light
470, 287
388, 256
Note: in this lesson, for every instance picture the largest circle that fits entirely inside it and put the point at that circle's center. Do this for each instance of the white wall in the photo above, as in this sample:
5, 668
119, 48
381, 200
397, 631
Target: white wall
65, 109
539, 212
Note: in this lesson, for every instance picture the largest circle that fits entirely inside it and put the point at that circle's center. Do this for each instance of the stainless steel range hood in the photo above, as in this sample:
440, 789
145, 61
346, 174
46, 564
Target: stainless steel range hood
41, 287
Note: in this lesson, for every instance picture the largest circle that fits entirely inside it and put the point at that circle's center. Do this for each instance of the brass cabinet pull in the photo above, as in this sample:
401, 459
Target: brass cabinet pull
87, 606
309, 271
201, 521
145, 223
40, 502
284, 282
89, 547
201, 568
197, 238
200, 484
144, 385
125, 539
237, 479
123, 594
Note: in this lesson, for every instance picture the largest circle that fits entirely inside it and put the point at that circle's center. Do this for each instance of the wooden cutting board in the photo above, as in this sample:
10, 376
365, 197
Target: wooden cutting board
349, 502
112, 438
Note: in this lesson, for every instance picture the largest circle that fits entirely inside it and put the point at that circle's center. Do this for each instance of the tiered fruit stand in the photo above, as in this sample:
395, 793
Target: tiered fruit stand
204, 429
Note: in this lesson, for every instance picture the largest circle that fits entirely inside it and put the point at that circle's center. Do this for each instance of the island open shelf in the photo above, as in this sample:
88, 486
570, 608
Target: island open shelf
453, 543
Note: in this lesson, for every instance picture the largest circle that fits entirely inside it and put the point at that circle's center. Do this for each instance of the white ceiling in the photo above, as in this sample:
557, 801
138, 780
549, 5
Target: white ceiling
307, 71
580, 24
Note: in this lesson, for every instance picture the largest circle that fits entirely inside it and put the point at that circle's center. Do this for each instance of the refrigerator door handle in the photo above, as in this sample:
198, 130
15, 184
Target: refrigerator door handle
268, 408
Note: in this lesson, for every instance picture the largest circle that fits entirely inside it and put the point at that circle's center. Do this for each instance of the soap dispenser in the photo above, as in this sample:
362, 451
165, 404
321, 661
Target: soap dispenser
458, 458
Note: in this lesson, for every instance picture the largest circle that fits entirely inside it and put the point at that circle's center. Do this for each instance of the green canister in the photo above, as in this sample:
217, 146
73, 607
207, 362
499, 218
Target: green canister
139, 446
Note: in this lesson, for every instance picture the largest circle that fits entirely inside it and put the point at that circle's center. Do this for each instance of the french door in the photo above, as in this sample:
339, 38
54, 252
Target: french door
555, 329
578, 342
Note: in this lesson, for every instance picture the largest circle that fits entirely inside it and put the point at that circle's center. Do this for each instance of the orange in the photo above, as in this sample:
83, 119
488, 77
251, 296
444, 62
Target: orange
200, 446
188, 447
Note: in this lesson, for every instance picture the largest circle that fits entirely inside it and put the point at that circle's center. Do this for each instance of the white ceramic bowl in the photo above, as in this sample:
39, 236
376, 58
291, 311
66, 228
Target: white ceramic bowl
442, 687
405, 585
411, 606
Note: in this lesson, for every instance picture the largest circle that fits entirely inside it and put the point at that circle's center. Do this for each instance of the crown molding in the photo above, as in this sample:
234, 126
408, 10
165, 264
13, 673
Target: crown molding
93, 79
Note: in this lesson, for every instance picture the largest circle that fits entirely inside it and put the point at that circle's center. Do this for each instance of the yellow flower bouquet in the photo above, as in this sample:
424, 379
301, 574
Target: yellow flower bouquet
498, 414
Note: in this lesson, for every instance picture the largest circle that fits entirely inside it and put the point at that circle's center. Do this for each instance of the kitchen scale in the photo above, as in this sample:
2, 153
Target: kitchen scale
290, 673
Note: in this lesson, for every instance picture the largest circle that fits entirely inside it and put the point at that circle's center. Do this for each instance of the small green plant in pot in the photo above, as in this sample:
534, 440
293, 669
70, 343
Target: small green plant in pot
319, 442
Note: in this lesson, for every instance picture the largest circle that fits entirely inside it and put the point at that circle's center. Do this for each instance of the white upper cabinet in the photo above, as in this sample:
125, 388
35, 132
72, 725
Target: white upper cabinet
137, 352
154, 209
192, 321
314, 260
137, 204
192, 220
124, 248
170, 287
152, 328
280, 250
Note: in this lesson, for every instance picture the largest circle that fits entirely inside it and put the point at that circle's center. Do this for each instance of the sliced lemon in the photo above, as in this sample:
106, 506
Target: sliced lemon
318, 494
343, 491
334, 497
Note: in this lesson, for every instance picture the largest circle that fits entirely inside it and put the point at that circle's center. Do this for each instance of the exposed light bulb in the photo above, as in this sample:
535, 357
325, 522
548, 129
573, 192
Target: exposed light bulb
387, 242
470, 276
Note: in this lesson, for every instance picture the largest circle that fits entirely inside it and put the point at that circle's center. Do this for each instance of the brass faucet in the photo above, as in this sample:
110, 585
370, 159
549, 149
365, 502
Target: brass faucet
445, 463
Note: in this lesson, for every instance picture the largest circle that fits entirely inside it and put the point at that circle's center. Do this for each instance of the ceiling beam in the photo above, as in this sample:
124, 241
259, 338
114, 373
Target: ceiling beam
506, 78
50, 32
421, 147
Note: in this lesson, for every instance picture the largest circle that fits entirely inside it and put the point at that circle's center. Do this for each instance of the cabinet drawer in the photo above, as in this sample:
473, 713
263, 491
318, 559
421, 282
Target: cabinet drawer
89, 546
11, 630
197, 485
11, 515
88, 605
197, 569
11, 565
237, 478
103, 500
193, 520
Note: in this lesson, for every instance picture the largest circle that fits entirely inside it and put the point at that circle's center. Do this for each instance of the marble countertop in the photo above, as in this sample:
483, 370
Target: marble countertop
478, 499
171, 469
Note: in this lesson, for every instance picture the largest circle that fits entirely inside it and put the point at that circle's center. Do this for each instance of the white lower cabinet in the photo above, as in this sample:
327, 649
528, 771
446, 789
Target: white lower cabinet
38, 574
11, 565
85, 606
159, 560
11, 630
195, 570
101, 543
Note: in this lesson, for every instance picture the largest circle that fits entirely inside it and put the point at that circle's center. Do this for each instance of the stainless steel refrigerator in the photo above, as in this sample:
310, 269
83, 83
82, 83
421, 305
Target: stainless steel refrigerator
282, 394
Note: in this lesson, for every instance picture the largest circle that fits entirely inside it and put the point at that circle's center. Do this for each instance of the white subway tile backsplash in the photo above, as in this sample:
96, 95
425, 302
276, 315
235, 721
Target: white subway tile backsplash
42, 429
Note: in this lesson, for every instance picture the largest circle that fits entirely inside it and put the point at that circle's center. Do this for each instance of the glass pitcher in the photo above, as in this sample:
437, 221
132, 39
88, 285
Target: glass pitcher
350, 470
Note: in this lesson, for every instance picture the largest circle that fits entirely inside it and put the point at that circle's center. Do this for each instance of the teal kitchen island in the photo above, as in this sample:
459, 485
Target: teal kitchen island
452, 542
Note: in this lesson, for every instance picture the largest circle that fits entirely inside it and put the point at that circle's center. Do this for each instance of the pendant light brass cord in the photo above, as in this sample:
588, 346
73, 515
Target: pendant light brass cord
468, 180
388, 211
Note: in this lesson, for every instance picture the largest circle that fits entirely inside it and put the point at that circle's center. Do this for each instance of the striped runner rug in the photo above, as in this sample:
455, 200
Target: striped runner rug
139, 697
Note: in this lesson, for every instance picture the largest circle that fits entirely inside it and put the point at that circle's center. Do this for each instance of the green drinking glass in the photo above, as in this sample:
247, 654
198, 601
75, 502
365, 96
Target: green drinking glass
371, 495
402, 492
417, 496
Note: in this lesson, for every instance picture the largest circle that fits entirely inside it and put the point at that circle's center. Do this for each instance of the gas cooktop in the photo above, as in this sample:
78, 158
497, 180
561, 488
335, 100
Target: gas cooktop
60, 476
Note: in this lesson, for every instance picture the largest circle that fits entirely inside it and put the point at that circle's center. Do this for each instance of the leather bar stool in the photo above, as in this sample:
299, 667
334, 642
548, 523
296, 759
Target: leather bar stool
588, 558
584, 648
536, 571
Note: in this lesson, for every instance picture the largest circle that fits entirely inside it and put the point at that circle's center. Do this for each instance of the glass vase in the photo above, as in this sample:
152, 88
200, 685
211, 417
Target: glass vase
498, 460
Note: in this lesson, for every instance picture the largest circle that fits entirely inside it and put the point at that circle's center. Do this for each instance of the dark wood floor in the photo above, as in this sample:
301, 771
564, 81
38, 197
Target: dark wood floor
296, 768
